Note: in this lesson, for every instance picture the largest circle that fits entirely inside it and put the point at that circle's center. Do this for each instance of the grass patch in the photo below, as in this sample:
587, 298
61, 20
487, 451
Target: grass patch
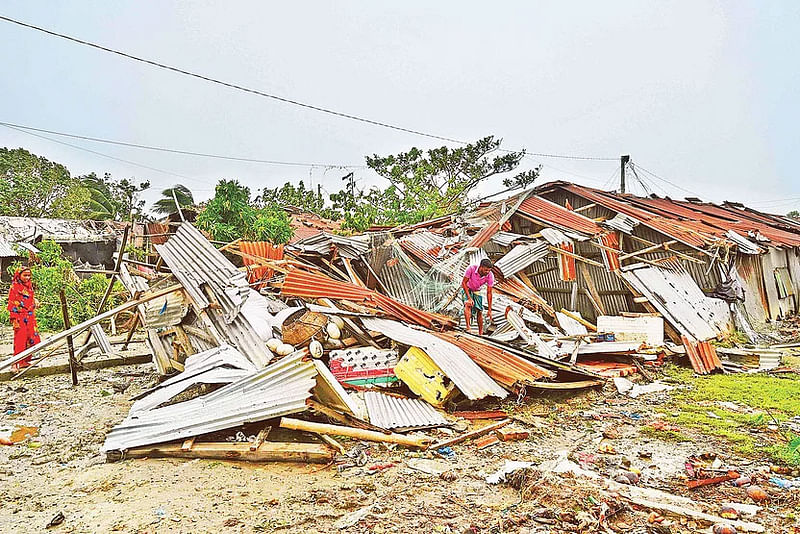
693, 408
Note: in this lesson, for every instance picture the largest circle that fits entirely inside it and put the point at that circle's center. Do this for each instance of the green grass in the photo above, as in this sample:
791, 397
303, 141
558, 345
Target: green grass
764, 394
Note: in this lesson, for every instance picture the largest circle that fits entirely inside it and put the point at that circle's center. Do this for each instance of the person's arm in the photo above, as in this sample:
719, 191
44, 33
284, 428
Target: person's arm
465, 287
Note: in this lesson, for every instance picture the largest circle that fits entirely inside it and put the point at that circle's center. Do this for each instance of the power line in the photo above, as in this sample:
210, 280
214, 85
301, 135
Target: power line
272, 96
654, 175
129, 162
179, 151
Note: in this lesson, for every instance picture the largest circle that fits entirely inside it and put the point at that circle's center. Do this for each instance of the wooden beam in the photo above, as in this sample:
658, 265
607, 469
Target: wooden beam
269, 451
581, 320
576, 256
73, 370
679, 254
471, 435
584, 208
86, 324
665, 245
595, 296
367, 435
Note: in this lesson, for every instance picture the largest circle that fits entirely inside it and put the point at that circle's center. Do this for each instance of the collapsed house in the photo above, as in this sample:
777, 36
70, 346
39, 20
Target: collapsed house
366, 331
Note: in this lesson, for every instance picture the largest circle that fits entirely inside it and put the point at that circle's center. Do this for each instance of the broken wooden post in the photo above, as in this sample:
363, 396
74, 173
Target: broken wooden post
65, 315
471, 435
367, 435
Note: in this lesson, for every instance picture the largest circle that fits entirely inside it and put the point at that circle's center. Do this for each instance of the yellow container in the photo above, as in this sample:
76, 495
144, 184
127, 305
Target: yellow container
424, 377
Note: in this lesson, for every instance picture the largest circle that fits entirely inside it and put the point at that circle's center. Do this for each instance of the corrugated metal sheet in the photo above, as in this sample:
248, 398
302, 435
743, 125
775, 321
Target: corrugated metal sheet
220, 365
398, 413
745, 245
280, 389
424, 245
550, 213
506, 368
166, 311
15, 229
194, 261
299, 283
621, 222
470, 379
484, 235
679, 300
505, 239
324, 244
259, 249
99, 335
521, 256
702, 355
7, 249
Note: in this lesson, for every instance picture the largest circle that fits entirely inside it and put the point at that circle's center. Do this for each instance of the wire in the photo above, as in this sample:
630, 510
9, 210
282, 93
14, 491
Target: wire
178, 151
654, 175
129, 162
272, 96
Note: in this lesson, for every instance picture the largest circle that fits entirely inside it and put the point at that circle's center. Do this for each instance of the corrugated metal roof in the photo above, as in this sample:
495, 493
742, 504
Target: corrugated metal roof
745, 245
194, 261
521, 256
280, 389
485, 234
166, 311
680, 301
220, 365
504, 239
425, 245
468, 377
15, 229
622, 223
7, 249
505, 367
550, 213
259, 249
398, 413
324, 244
300, 283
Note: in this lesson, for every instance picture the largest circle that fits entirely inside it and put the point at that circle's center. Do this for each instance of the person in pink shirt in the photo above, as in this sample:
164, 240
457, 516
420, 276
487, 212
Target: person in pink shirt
475, 277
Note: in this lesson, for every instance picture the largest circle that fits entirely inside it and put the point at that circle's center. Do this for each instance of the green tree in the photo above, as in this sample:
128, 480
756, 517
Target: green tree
794, 214
230, 215
111, 199
166, 204
33, 186
296, 196
425, 184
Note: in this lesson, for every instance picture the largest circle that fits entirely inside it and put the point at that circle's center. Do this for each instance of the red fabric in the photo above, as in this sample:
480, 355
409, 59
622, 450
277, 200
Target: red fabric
21, 304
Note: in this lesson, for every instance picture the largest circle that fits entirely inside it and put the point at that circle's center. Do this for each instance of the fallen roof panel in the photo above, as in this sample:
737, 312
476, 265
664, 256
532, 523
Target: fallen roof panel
399, 413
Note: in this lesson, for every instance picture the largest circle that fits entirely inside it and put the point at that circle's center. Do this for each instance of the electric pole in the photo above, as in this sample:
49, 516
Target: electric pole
623, 162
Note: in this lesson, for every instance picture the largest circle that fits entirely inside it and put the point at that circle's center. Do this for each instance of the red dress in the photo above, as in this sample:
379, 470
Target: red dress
20, 307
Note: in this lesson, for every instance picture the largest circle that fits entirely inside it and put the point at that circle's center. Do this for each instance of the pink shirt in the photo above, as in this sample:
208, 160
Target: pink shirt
475, 280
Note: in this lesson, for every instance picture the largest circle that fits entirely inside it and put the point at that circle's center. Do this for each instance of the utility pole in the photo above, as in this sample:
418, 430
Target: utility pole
623, 162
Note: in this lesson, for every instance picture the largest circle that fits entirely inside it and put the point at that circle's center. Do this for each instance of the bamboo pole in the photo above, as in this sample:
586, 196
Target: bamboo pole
86, 324
70, 347
581, 320
471, 435
367, 435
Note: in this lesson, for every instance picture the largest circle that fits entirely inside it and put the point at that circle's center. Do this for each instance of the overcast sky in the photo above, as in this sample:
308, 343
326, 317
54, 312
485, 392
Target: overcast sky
703, 94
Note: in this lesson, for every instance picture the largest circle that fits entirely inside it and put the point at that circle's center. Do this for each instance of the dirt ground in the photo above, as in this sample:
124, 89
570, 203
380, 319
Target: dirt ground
62, 470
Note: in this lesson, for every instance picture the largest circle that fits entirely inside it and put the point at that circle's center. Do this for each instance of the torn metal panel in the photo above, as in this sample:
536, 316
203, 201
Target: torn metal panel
521, 256
502, 365
101, 339
195, 262
505, 239
425, 245
549, 213
644, 329
325, 243
744, 245
220, 365
679, 300
7, 249
166, 311
280, 389
470, 379
330, 392
398, 413
532, 338
622, 223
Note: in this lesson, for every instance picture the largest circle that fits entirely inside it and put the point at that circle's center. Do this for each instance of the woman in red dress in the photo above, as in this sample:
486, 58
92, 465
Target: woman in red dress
21, 305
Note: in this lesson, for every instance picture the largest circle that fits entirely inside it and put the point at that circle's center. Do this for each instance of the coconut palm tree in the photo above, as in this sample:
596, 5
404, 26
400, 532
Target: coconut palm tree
166, 204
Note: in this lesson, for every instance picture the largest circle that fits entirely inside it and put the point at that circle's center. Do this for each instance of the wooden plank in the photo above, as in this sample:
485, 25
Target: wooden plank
576, 256
261, 437
596, 301
73, 369
86, 324
332, 443
188, 444
342, 418
269, 451
471, 435
358, 433
85, 366
581, 320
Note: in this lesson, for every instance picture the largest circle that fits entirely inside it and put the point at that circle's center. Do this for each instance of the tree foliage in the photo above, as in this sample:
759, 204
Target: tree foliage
110, 199
166, 204
33, 186
425, 184
296, 196
53, 273
230, 215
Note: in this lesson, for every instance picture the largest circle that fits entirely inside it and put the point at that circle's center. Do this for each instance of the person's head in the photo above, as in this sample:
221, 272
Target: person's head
25, 274
485, 267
